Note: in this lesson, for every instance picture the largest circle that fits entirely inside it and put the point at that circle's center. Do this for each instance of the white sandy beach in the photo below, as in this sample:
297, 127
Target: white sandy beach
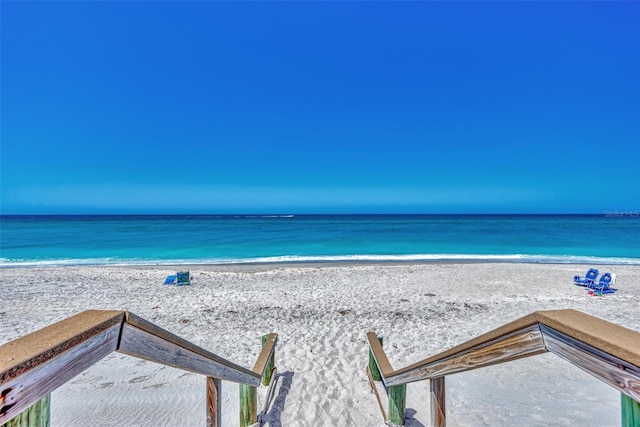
322, 314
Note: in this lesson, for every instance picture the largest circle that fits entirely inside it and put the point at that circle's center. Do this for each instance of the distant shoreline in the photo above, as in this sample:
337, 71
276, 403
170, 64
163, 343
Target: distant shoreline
268, 265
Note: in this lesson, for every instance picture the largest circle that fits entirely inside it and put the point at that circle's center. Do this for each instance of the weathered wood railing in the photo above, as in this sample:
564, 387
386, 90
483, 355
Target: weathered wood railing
33, 366
609, 352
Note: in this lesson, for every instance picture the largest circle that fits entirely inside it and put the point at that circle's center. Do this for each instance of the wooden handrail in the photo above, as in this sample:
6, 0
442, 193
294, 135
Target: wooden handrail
520, 338
607, 351
23, 354
147, 341
33, 366
267, 351
139, 323
384, 366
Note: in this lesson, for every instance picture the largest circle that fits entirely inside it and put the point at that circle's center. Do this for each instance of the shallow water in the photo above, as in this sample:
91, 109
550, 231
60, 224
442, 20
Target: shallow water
176, 239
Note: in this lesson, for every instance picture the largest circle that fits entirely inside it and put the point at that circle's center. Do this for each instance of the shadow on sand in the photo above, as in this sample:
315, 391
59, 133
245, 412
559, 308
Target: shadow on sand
276, 400
409, 419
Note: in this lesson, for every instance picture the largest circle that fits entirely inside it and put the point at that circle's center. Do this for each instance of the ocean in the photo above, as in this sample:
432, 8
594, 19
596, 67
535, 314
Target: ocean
219, 239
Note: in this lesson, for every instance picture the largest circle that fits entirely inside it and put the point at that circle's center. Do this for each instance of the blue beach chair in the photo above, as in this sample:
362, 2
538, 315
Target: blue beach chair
170, 280
588, 279
183, 278
604, 284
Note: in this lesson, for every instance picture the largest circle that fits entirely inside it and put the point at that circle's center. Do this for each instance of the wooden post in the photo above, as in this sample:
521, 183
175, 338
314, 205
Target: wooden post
214, 402
438, 414
36, 415
373, 366
630, 411
397, 402
248, 405
266, 377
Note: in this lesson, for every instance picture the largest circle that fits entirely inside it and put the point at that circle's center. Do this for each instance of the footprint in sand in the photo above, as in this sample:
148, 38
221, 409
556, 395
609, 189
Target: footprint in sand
139, 379
155, 386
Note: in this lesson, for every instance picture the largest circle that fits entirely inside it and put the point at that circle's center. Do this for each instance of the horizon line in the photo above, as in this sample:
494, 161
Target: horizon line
630, 213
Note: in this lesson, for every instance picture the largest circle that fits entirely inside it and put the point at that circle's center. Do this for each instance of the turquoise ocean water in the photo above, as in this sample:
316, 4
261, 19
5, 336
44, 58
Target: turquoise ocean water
182, 239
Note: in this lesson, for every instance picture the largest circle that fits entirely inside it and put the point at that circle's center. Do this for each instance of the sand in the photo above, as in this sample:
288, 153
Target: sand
322, 314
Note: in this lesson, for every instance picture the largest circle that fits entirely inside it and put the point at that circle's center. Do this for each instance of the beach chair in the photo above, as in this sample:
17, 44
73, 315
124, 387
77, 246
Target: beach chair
183, 278
604, 284
588, 279
170, 280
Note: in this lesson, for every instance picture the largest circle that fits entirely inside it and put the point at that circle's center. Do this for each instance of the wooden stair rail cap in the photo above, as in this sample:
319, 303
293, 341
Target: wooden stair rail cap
608, 337
616, 340
34, 349
265, 353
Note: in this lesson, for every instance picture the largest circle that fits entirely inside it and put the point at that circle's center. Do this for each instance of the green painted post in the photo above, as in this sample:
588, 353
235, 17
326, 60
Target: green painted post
36, 415
266, 377
397, 402
630, 411
248, 405
373, 367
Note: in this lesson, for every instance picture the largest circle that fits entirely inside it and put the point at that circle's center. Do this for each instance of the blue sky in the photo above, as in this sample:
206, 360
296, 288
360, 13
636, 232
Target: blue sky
320, 107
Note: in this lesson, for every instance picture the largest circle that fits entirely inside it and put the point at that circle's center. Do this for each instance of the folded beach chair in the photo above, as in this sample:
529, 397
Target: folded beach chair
588, 278
182, 278
170, 280
604, 284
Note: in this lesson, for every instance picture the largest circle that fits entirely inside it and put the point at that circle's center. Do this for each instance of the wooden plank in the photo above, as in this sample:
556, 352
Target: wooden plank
618, 373
177, 342
377, 393
35, 382
515, 345
26, 353
268, 398
153, 329
373, 366
379, 355
270, 368
616, 340
265, 358
438, 409
491, 336
214, 402
160, 349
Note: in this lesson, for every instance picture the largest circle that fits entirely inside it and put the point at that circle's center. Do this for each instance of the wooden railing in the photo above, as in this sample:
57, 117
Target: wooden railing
33, 366
607, 351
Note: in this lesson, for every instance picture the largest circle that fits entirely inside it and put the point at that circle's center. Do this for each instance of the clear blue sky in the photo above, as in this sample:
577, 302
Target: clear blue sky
320, 107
